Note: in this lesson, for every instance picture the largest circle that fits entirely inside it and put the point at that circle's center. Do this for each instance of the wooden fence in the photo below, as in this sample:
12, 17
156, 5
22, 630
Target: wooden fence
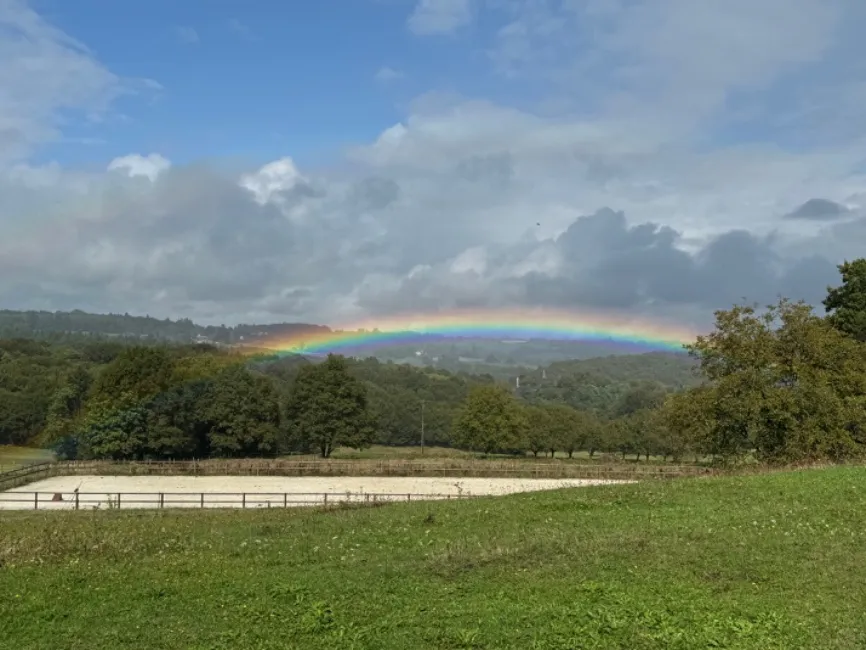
21, 500
27, 474
327, 467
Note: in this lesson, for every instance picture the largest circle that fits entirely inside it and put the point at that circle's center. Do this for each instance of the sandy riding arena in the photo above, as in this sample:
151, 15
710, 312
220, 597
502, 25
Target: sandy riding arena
106, 492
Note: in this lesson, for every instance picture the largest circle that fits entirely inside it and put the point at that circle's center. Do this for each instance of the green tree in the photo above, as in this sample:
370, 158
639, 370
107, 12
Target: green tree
327, 408
783, 382
178, 425
66, 406
569, 428
242, 412
138, 371
539, 436
846, 304
120, 434
489, 420
639, 396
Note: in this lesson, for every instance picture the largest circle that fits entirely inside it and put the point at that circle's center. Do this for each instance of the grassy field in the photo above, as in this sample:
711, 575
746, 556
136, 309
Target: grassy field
383, 452
13, 457
766, 561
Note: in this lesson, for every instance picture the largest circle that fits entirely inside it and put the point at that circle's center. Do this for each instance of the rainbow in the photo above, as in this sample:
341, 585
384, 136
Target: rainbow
603, 328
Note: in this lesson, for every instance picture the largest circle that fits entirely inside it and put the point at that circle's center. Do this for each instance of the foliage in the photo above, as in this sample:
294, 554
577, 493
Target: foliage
846, 304
490, 420
243, 414
327, 407
783, 382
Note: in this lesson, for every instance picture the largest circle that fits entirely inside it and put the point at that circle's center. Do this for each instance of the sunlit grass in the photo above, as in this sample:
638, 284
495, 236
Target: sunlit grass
763, 562
12, 457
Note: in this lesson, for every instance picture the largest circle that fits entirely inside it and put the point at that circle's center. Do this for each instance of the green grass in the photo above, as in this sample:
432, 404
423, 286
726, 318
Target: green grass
767, 562
12, 457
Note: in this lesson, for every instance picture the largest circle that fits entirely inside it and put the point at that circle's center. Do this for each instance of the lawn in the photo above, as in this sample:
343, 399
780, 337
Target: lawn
12, 457
764, 562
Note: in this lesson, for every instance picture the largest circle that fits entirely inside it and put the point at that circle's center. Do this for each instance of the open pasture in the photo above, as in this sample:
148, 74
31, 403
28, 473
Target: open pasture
764, 562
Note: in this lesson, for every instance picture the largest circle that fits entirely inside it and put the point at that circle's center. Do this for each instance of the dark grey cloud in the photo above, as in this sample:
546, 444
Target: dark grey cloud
603, 262
818, 210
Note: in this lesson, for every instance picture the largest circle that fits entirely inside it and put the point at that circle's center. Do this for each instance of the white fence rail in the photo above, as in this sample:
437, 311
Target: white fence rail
21, 500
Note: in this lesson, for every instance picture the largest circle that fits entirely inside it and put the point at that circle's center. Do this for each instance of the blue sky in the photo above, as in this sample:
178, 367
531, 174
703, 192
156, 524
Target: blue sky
329, 161
259, 79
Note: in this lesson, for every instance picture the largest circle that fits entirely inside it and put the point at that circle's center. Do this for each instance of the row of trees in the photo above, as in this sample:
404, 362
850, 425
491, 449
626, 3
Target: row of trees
150, 403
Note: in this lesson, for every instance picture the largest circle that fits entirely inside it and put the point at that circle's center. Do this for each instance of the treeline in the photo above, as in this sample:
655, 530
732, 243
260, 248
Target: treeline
112, 399
76, 326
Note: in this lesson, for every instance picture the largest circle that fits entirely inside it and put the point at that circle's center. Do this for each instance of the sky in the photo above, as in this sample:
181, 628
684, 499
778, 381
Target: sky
339, 161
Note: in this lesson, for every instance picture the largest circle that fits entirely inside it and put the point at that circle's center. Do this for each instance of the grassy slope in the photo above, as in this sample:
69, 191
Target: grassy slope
772, 561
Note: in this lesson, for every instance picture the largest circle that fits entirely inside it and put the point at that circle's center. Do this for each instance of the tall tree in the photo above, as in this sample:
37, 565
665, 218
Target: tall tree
846, 304
243, 414
327, 408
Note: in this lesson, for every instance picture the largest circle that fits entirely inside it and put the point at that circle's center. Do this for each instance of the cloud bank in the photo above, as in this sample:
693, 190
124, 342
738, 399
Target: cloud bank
634, 185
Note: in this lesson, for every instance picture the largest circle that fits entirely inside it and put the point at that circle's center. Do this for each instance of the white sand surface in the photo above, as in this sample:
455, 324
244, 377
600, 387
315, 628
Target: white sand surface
260, 491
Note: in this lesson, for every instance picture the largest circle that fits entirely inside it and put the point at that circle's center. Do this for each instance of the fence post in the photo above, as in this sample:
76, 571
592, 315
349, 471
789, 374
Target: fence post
161, 499
36, 501
243, 499
118, 500
76, 500
326, 498
202, 499
285, 500
408, 497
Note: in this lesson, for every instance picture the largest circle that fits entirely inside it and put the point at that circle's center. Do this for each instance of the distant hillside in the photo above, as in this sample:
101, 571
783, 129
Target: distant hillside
673, 370
48, 325
609, 384
501, 359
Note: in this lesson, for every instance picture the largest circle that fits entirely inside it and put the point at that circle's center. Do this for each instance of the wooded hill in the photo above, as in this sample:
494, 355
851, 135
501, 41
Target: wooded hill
43, 382
498, 358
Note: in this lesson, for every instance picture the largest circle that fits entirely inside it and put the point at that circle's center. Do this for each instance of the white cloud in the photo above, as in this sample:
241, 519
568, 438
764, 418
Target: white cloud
44, 73
439, 16
149, 166
276, 177
186, 35
386, 74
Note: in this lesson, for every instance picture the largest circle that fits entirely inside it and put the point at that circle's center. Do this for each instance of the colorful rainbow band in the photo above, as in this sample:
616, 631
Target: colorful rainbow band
552, 325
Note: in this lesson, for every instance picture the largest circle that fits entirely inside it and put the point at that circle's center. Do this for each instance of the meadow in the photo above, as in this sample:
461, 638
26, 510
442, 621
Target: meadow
765, 561
12, 457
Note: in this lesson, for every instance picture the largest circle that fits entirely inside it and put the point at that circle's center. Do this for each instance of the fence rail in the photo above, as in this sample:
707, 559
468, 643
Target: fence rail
21, 500
456, 468
26, 474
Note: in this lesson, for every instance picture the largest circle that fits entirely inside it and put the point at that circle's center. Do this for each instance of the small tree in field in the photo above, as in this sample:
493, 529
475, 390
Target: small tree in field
490, 420
538, 431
